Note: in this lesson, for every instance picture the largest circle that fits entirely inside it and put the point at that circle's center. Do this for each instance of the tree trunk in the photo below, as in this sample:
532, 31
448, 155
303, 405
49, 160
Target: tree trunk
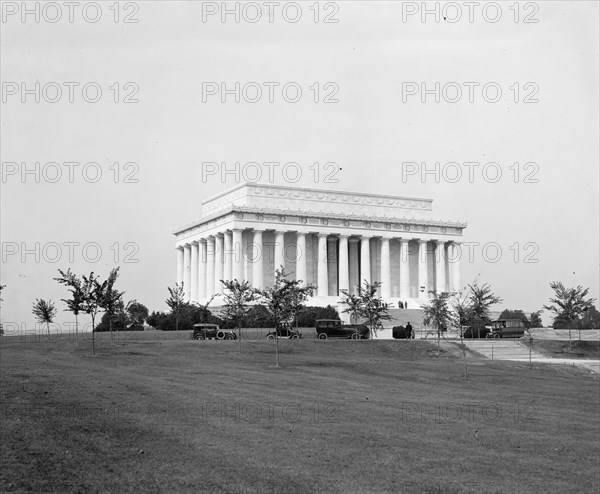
240, 335
462, 344
93, 337
570, 347
76, 329
276, 348
48, 328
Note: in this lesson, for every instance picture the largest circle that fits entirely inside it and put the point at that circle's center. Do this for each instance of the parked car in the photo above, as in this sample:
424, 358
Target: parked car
334, 328
472, 332
212, 331
400, 333
284, 331
507, 328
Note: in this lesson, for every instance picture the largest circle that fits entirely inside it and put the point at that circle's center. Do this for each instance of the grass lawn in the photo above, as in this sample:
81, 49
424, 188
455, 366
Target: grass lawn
560, 349
157, 412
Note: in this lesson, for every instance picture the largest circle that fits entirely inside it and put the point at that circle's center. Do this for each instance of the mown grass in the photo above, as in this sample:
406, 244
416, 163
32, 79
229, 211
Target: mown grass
157, 412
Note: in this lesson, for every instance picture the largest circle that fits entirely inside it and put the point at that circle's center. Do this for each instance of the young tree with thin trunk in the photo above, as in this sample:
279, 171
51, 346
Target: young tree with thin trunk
177, 302
437, 313
365, 304
76, 303
110, 299
92, 298
45, 312
480, 301
569, 304
283, 300
238, 296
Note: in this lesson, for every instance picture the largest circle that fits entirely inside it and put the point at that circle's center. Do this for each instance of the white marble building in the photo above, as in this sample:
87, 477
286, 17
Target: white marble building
329, 238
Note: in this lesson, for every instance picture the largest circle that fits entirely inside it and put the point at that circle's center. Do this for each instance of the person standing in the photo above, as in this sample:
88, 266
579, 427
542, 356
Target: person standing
409, 331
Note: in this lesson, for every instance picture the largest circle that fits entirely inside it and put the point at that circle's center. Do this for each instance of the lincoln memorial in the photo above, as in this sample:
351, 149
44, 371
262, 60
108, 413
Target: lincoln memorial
332, 239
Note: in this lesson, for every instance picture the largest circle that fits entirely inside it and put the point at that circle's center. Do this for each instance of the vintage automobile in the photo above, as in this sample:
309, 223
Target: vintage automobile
473, 332
334, 328
203, 331
400, 333
507, 328
284, 331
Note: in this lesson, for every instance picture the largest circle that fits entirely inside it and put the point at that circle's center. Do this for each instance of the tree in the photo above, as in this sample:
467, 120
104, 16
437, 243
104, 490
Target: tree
590, 319
368, 306
136, 312
45, 312
92, 297
459, 318
76, 303
479, 302
237, 297
569, 304
535, 320
515, 314
437, 313
109, 298
177, 303
308, 315
284, 300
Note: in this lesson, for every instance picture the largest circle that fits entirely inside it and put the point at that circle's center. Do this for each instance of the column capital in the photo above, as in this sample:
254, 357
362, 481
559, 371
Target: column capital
353, 240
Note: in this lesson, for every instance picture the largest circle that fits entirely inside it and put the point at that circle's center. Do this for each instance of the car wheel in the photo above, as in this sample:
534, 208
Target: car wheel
220, 335
229, 336
496, 336
294, 337
198, 337
270, 336
322, 336
355, 336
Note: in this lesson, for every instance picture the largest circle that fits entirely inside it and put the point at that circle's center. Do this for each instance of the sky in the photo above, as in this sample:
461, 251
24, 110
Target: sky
107, 155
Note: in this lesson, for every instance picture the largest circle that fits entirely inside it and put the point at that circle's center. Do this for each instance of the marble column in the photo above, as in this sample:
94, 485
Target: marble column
202, 269
440, 267
219, 245
386, 278
187, 275
257, 259
343, 268
279, 250
210, 266
423, 285
301, 257
365, 260
194, 273
227, 256
404, 270
322, 275
238, 260
179, 265
353, 263
456, 254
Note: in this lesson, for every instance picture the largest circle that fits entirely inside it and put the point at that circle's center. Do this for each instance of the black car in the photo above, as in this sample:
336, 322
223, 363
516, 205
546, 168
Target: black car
507, 328
472, 332
284, 331
333, 328
212, 331
401, 333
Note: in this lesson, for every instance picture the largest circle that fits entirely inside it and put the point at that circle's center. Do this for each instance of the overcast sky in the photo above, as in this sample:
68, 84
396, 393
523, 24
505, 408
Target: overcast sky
372, 64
